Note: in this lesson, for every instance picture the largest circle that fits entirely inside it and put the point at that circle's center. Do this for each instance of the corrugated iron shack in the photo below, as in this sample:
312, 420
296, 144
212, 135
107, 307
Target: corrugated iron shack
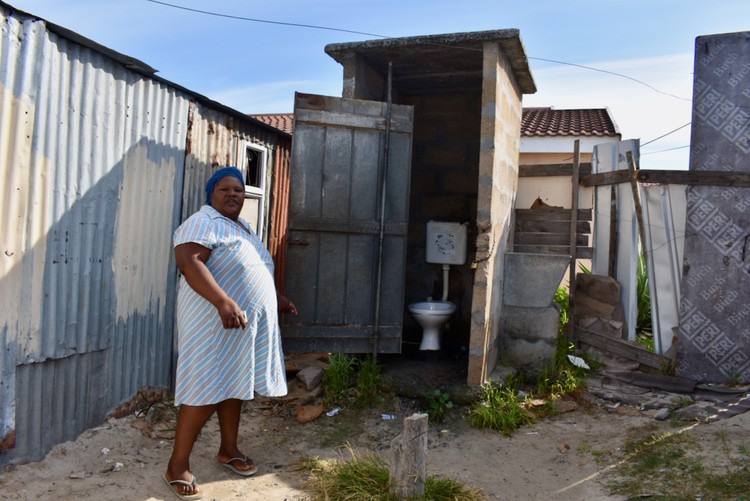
100, 161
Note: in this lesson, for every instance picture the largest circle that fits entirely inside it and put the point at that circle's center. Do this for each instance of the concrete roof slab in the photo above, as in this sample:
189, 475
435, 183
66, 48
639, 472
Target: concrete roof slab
434, 63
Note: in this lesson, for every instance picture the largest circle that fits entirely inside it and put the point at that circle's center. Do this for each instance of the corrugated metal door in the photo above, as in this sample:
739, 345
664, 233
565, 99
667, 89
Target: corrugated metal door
339, 208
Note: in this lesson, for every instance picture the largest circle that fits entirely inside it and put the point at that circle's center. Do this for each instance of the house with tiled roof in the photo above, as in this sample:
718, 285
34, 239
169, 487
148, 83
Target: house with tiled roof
548, 138
281, 121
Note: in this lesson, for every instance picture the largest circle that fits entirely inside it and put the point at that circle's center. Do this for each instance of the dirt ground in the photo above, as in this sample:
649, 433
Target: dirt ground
550, 459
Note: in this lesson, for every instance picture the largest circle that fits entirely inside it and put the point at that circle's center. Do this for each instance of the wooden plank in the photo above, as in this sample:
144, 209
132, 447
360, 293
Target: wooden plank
691, 178
696, 178
633, 169
550, 214
621, 348
573, 234
550, 226
526, 238
614, 238
653, 381
544, 170
561, 250
605, 178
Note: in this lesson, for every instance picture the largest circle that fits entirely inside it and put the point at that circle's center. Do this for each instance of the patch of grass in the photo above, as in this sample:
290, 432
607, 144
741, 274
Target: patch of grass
366, 478
352, 380
337, 378
734, 379
500, 409
369, 382
561, 377
669, 466
438, 403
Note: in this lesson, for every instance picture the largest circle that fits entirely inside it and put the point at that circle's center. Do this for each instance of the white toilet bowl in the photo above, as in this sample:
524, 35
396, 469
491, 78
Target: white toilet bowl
431, 316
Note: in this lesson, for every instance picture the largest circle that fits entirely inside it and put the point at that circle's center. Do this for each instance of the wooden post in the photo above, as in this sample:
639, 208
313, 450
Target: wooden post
637, 200
613, 235
573, 239
408, 468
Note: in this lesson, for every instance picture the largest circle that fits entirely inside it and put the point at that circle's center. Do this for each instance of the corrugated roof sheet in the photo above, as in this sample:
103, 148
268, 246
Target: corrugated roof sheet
535, 122
281, 121
579, 122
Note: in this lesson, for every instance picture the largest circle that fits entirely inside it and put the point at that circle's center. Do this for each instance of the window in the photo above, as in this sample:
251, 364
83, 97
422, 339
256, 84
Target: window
254, 169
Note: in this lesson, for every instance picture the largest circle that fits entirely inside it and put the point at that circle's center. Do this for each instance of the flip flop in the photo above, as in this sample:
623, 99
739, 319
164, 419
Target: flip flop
173, 483
244, 473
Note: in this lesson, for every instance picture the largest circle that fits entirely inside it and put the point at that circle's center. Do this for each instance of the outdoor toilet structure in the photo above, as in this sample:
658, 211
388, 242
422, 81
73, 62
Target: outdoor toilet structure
465, 90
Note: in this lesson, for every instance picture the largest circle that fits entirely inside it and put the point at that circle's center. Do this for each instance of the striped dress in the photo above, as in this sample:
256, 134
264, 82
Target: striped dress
214, 363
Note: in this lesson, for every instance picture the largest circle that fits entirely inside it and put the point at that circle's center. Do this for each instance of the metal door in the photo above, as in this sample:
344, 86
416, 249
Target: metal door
348, 216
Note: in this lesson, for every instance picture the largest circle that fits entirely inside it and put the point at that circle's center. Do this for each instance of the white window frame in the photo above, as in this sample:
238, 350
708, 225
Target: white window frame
256, 192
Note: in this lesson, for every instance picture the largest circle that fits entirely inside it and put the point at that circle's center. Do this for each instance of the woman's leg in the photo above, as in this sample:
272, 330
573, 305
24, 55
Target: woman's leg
190, 421
229, 423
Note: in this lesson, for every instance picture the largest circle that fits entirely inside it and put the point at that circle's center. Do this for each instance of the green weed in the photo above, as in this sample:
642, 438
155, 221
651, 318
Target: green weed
337, 378
438, 403
501, 409
369, 382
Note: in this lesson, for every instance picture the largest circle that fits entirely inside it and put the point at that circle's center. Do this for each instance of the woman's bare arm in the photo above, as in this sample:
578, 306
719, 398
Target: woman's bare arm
191, 261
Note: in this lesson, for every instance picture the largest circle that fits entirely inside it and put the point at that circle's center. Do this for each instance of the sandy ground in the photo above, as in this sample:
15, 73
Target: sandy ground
548, 460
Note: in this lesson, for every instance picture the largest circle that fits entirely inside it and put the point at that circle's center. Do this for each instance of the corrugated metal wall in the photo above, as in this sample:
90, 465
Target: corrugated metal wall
99, 164
216, 140
91, 166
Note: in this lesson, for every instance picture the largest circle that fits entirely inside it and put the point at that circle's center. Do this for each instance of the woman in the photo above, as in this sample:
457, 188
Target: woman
229, 344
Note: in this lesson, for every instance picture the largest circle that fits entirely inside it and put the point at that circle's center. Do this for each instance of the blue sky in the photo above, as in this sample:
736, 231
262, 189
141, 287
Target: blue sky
256, 67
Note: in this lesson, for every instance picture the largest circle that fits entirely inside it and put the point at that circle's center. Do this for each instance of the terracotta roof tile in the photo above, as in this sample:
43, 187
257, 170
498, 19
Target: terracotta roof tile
541, 122
282, 121
544, 122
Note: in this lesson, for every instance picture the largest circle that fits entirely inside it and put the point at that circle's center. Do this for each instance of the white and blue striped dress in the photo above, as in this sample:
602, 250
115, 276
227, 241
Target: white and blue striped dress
214, 363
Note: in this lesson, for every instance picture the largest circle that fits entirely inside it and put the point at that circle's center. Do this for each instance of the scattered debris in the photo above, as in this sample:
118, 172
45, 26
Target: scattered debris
333, 411
662, 414
578, 362
308, 413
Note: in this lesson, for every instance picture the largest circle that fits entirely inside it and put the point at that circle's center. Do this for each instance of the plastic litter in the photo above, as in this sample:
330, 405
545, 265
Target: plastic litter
388, 416
333, 411
578, 362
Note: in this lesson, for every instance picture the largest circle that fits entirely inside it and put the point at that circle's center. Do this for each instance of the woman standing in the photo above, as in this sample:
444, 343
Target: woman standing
229, 343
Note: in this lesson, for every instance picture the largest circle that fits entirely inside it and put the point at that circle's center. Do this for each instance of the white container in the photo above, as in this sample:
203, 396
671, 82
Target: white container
445, 243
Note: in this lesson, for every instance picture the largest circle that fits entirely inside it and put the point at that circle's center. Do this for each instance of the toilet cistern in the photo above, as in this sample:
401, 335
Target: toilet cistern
445, 244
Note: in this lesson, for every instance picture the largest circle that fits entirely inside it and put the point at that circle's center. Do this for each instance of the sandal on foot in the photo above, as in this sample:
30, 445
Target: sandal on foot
246, 461
174, 484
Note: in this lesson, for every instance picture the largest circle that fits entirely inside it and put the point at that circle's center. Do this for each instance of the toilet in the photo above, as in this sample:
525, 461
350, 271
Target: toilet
445, 244
431, 316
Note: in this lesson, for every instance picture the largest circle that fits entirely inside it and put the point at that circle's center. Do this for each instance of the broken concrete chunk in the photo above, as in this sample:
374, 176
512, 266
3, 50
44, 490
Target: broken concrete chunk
310, 377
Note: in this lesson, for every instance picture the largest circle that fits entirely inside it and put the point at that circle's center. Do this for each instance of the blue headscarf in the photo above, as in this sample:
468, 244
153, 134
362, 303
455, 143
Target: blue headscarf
223, 172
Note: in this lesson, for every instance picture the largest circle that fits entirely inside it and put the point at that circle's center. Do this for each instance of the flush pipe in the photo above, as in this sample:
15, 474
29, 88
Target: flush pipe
446, 267
383, 190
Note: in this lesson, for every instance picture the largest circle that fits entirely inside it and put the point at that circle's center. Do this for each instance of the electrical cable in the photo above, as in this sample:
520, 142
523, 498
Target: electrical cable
667, 134
240, 18
312, 26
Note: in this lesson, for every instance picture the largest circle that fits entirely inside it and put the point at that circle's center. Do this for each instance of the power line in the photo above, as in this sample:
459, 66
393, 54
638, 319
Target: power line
667, 134
668, 149
316, 27
296, 25
611, 73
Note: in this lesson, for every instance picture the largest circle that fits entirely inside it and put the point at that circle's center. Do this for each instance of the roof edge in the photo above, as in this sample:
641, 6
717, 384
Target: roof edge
508, 39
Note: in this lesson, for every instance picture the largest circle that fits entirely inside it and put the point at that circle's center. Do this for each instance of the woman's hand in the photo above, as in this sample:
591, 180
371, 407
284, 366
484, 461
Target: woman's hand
231, 314
285, 305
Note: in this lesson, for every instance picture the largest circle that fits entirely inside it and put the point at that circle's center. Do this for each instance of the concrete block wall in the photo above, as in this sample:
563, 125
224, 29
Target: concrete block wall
498, 180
